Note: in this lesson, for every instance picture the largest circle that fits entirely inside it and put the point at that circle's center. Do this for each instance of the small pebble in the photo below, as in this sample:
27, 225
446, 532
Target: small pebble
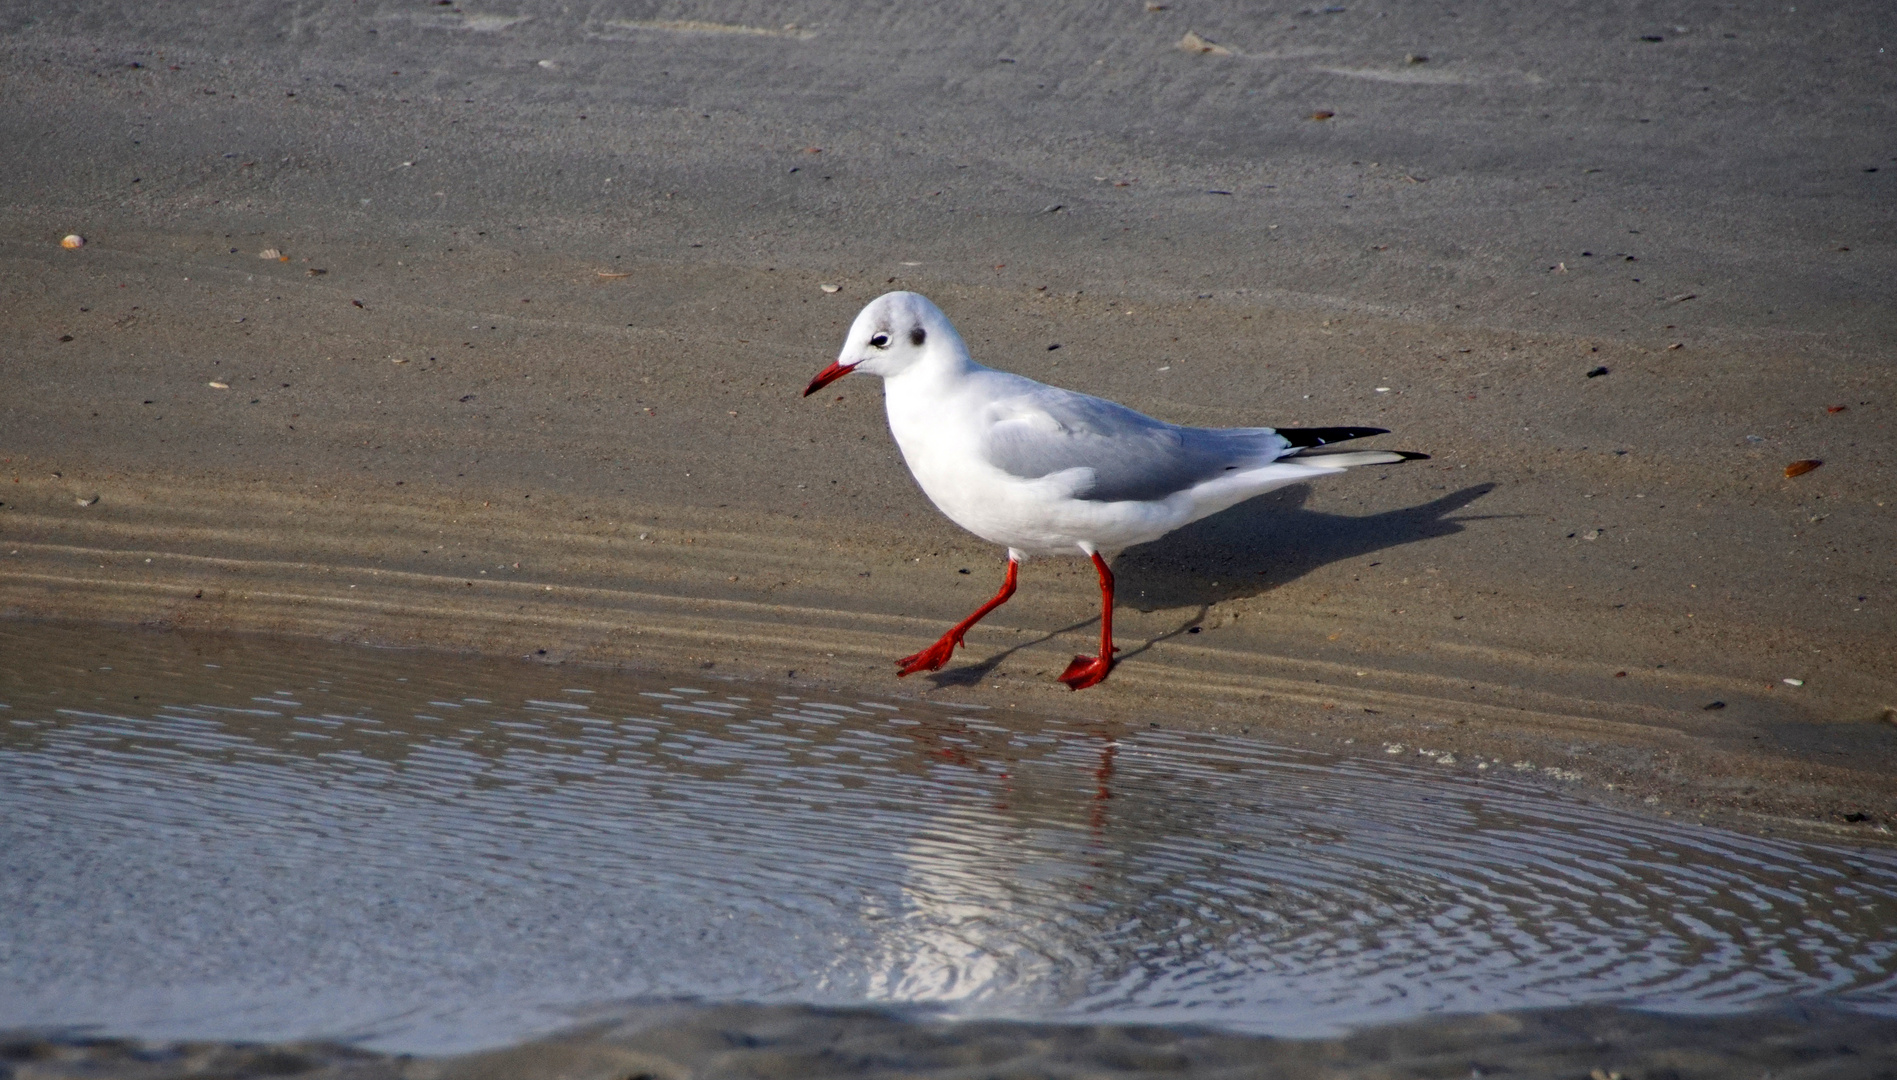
1597, 373
215, 385
831, 288
73, 242
1193, 43
1793, 682
1800, 468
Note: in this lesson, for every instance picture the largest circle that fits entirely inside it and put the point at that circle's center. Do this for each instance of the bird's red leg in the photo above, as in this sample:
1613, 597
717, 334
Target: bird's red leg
933, 657
1085, 671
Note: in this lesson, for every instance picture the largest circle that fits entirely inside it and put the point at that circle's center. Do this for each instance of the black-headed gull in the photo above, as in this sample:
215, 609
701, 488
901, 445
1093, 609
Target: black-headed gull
1046, 471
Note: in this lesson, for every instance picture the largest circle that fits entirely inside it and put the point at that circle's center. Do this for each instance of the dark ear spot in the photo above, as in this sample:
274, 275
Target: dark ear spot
917, 336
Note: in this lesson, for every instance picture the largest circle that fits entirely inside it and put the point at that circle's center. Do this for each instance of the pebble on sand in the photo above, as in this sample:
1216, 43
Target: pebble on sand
1800, 468
831, 288
273, 254
73, 242
216, 385
1193, 43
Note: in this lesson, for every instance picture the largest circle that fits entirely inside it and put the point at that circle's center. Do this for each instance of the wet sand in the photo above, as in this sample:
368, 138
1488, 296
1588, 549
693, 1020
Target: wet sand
596, 242
683, 1040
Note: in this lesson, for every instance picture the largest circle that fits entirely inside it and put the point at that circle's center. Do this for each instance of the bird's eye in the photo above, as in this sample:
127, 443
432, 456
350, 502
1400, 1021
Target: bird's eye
880, 341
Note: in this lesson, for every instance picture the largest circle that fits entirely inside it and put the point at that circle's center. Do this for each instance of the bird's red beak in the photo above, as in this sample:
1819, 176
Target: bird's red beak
827, 376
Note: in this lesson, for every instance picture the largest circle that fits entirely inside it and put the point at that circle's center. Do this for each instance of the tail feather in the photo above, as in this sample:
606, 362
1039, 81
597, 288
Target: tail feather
1348, 458
1321, 436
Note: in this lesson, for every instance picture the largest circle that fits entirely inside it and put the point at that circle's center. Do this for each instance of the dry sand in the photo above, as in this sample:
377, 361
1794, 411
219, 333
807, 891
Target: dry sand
594, 239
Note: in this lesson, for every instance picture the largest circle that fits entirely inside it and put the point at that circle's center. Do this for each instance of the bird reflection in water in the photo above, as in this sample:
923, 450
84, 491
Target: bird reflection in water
967, 915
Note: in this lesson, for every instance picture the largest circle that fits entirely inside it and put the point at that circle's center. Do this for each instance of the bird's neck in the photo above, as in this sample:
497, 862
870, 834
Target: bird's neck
938, 370
919, 398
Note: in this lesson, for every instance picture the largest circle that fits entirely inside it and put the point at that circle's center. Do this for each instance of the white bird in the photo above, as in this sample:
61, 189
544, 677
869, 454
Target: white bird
1046, 471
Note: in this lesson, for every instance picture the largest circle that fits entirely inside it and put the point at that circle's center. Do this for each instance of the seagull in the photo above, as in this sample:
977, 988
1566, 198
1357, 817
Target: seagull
1046, 471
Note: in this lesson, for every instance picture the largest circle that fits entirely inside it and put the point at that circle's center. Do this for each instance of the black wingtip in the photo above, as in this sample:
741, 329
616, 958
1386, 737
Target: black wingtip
1324, 436
1411, 455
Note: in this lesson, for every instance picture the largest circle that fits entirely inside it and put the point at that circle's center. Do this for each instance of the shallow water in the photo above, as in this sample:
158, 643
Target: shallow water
238, 838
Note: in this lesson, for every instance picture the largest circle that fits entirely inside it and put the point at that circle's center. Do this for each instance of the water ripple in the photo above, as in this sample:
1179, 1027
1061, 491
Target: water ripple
178, 861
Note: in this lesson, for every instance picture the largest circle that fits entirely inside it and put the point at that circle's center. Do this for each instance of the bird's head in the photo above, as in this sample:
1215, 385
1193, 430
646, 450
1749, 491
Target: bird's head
892, 334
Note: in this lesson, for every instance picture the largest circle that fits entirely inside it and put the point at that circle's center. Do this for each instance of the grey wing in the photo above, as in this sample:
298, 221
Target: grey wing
1131, 456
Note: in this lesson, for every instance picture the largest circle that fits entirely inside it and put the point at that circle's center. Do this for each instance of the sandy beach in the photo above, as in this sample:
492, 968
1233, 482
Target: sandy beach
522, 376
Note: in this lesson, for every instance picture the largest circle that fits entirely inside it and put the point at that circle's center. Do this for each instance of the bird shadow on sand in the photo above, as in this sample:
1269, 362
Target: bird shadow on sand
1252, 548
1271, 541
